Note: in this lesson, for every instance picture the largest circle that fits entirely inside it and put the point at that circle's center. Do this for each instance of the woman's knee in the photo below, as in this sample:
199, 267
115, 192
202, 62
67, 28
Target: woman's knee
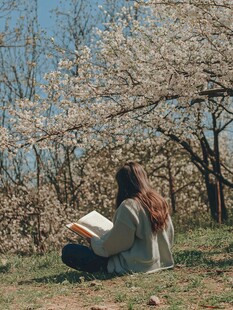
67, 252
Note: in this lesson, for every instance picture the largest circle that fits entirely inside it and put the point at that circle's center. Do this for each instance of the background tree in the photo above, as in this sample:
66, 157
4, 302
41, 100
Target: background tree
171, 71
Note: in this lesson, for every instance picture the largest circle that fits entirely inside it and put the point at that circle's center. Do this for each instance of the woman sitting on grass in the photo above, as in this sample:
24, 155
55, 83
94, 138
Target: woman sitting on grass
142, 233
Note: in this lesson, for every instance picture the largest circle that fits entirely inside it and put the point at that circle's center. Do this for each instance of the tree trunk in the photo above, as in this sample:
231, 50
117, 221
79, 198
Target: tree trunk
221, 207
211, 193
171, 185
214, 186
216, 200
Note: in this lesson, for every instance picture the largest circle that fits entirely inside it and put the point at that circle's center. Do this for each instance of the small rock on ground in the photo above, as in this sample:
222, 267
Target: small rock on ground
154, 301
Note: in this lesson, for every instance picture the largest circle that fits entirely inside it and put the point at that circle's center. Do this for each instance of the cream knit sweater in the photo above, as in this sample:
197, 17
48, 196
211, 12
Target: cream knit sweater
131, 245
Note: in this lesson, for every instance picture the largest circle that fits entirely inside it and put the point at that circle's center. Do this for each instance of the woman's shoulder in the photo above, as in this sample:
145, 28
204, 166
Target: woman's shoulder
129, 202
128, 211
130, 205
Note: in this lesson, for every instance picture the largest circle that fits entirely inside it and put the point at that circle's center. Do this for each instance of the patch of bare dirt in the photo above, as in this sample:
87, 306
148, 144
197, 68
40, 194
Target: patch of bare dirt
73, 303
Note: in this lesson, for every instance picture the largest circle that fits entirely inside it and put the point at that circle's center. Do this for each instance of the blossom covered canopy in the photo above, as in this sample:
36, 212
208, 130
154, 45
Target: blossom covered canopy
170, 67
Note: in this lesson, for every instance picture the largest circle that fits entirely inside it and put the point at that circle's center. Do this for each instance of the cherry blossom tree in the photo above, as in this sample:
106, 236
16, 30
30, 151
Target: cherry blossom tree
170, 69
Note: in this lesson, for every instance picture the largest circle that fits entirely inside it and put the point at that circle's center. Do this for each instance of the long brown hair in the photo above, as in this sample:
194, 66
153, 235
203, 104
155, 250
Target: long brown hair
133, 183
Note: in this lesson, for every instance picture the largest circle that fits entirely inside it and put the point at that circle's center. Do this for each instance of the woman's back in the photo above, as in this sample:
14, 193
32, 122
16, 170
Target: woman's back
132, 246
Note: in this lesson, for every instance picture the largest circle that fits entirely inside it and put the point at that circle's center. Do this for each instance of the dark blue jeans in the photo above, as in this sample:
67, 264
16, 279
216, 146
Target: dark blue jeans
83, 258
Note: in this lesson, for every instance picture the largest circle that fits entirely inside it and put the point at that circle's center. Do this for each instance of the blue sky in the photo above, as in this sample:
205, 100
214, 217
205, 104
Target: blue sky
44, 12
46, 6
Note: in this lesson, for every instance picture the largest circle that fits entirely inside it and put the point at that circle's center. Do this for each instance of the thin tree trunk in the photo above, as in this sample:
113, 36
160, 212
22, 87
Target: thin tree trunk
171, 185
218, 198
220, 202
210, 186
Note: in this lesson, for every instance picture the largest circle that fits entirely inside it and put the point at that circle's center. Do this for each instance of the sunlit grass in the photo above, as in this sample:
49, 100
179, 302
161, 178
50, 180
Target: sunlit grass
202, 277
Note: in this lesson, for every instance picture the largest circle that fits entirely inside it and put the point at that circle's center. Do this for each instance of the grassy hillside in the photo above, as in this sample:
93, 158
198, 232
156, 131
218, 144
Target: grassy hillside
202, 279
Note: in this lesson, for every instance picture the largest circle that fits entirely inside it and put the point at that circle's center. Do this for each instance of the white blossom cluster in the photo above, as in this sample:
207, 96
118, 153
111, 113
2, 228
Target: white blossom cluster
32, 223
4, 138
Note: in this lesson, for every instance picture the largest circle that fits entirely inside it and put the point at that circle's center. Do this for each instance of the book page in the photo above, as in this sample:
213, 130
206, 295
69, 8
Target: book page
90, 225
96, 222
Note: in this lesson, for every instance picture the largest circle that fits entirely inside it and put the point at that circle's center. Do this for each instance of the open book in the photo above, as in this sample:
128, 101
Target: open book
90, 225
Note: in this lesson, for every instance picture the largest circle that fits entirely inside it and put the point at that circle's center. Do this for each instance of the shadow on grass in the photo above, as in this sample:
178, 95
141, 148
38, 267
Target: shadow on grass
188, 258
69, 277
229, 249
5, 268
196, 258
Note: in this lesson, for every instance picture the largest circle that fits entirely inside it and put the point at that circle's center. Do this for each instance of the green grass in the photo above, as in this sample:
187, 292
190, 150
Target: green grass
202, 278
